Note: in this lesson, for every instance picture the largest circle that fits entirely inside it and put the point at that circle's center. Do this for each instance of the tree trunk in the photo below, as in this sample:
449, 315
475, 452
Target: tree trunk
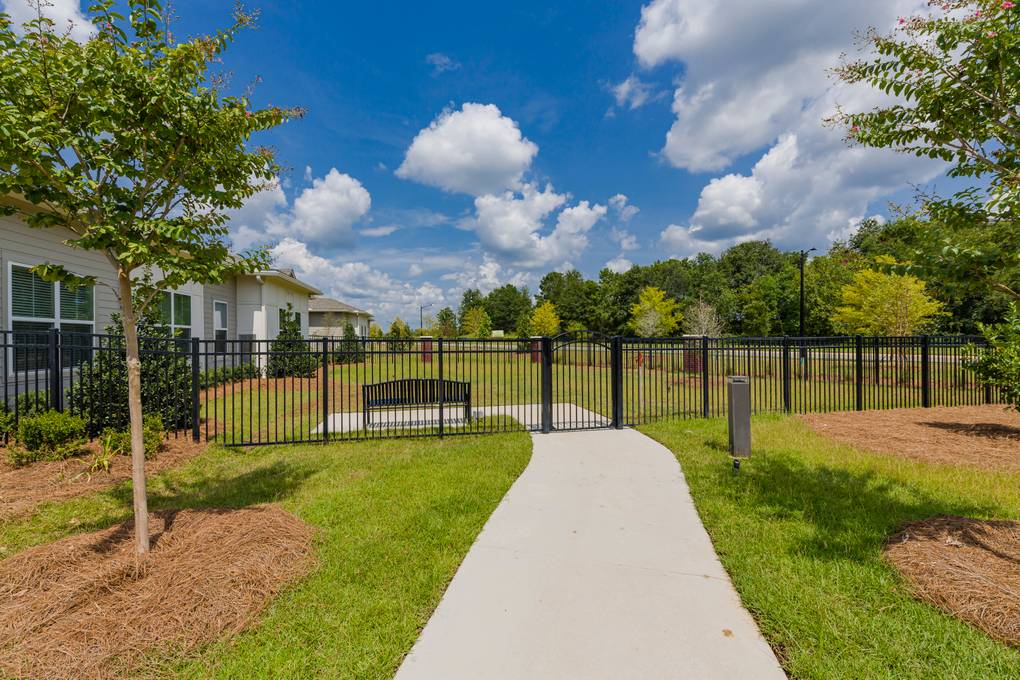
134, 376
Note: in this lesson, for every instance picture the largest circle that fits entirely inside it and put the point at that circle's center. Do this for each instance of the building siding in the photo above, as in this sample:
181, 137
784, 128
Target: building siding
222, 292
21, 244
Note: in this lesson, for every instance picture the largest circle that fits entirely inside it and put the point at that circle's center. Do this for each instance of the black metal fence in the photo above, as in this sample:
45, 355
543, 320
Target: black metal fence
248, 392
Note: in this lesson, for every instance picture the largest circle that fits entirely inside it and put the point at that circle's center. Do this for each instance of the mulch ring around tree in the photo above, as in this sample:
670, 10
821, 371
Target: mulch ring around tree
967, 567
24, 488
986, 436
88, 606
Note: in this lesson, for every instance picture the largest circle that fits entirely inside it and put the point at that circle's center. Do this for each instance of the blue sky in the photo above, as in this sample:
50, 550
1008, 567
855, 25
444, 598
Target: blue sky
465, 144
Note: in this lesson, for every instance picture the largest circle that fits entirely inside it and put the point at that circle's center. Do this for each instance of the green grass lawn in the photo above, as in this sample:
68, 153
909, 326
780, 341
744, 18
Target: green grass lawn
395, 519
800, 531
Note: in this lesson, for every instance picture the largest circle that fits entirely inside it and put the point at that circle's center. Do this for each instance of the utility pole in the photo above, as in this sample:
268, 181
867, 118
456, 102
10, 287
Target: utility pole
421, 317
803, 259
803, 347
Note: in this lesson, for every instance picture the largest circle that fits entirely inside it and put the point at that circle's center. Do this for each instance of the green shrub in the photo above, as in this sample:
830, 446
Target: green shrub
998, 365
48, 436
349, 350
7, 426
290, 354
100, 392
118, 442
228, 374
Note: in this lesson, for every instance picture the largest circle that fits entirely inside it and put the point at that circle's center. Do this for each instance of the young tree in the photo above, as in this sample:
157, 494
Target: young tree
472, 298
702, 319
953, 73
999, 364
126, 141
399, 335
877, 303
545, 320
290, 355
375, 331
654, 314
522, 329
446, 323
476, 323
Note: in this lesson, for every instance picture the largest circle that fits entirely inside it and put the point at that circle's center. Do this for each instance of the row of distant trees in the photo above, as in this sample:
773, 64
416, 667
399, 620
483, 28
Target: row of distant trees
751, 289
847, 296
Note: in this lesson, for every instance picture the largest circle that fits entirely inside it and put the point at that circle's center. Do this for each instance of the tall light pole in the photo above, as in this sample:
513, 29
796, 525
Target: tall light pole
421, 317
803, 259
803, 347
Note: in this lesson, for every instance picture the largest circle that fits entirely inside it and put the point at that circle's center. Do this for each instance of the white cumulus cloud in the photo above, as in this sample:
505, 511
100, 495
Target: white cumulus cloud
322, 213
475, 150
66, 15
768, 99
511, 225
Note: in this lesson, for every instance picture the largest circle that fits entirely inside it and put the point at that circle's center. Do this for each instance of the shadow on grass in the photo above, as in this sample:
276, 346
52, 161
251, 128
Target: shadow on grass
852, 513
272, 482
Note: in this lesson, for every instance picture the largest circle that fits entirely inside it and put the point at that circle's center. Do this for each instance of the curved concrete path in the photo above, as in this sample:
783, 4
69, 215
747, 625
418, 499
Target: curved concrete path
594, 565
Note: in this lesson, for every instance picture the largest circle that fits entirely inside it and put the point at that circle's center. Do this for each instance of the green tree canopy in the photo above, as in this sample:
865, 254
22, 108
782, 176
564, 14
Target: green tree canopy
654, 314
505, 305
545, 320
877, 303
127, 141
477, 323
446, 324
953, 72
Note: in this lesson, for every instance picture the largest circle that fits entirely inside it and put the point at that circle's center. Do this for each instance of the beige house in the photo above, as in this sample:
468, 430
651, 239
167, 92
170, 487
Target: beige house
248, 307
328, 317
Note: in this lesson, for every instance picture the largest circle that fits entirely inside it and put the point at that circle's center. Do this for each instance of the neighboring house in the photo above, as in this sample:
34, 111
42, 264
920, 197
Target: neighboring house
248, 307
327, 317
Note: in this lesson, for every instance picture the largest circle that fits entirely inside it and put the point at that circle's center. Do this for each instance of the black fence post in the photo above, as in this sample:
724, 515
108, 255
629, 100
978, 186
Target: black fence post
616, 380
785, 359
706, 402
195, 430
859, 372
925, 371
325, 389
442, 389
56, 387
547, 387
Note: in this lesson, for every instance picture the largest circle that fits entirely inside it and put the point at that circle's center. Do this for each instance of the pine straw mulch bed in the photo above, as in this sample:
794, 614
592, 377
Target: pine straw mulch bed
88, 606
986, 437
969, 568
24, 488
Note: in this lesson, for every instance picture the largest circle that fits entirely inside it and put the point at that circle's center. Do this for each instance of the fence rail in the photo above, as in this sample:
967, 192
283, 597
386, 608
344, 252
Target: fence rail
248, 392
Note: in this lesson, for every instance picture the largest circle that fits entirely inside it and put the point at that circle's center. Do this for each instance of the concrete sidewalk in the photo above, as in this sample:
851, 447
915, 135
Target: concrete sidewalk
594, 565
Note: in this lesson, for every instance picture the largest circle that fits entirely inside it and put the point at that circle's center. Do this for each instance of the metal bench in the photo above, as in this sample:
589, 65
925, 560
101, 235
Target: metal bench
414, 392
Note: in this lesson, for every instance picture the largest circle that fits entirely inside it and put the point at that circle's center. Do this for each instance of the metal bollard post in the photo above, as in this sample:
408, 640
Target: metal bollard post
738, 402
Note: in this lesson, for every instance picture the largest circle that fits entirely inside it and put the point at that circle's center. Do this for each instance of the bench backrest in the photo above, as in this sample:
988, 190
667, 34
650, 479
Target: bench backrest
416, 391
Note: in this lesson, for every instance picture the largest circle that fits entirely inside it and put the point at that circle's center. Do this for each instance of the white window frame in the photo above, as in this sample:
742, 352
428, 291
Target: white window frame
171, 324
215, 323
55, 320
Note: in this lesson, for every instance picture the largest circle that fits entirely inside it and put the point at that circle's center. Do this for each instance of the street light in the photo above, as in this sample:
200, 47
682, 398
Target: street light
803, 347
803, 259
421, 317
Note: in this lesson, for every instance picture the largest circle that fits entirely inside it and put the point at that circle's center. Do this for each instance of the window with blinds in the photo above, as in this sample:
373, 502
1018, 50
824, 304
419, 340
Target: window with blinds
37, 307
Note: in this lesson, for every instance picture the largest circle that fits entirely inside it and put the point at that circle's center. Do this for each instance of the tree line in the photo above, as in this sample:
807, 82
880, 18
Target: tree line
751, 289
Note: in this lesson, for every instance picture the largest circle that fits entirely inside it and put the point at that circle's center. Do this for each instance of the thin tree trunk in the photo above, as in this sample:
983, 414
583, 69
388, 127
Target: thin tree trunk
134, 376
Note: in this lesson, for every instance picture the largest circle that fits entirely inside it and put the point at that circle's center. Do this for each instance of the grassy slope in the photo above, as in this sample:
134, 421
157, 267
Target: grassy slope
395, 520
800, 531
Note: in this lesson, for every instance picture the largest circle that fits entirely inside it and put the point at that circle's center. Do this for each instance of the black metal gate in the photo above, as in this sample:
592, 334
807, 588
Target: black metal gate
578, 382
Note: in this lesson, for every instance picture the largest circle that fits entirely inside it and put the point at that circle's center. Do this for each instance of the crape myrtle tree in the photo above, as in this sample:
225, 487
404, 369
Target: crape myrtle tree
128, 142
955, 76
